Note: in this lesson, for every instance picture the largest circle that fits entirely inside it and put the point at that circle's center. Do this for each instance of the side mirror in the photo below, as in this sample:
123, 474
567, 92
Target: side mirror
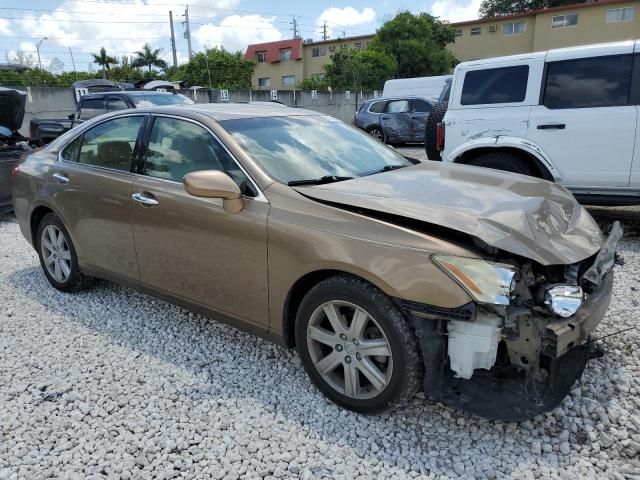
214, 184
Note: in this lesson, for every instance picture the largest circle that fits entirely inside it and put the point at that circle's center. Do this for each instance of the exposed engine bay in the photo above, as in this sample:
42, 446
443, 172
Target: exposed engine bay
513, 361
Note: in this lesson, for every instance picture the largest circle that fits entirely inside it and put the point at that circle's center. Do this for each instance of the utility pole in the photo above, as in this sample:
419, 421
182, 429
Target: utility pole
173, 41
187, 30
38, 50
73, 62
324, 31
296, 34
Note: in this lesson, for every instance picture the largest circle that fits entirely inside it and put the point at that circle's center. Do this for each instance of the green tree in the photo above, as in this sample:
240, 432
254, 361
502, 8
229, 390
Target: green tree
104, 60
148, 57
497, 8
216, 68
313, 83
417, 43
358, 69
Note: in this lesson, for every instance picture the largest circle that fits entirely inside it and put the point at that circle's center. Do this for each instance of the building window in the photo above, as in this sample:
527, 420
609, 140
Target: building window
319, 77
476, 30
285, 54
358, 45
513, 28
619, 15
579, 83
289, 81
261, 57
562, 21
458, 32
495, 85
319, 51
264, 82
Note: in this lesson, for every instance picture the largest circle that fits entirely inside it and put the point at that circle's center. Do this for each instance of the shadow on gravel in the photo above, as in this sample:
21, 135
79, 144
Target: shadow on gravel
232, 367
629, 217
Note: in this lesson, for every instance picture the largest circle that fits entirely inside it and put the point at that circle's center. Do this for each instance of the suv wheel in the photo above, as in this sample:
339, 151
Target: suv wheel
507, 161
58, 256
378, 134
431, 131
357, 346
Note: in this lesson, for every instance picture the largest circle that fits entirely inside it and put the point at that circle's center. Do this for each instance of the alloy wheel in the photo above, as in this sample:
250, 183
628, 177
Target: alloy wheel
377, 134
349, 349
56, 253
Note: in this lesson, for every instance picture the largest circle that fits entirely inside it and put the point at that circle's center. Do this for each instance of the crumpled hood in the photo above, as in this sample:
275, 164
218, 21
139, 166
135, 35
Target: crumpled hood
522, 215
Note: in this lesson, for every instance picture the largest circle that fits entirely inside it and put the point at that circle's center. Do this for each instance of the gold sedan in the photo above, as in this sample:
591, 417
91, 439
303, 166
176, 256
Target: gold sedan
386, 274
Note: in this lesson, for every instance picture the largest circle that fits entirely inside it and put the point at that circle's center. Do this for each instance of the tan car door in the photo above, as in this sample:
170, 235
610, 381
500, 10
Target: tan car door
91, 189
189, 247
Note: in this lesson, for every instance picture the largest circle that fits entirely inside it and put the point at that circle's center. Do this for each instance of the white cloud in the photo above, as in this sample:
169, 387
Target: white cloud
344, 17
456, 10
5, 27
235, 32
118, 37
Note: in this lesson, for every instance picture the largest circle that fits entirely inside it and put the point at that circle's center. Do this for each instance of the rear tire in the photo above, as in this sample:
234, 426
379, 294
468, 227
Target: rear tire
58, 256
506, 161
356, 345
378, 134
431, 131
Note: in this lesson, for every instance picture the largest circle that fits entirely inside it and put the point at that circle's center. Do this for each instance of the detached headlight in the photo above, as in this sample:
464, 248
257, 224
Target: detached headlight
564, 300
486, 282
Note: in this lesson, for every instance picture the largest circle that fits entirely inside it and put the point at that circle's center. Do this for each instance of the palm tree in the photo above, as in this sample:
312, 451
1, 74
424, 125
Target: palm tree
104, 60
149, 58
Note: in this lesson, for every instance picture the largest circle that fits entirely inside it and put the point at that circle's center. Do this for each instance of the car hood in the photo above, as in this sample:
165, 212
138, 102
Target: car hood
526, 216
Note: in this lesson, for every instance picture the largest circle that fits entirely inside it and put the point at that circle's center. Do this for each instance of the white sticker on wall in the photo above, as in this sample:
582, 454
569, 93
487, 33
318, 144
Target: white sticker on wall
347, 95
314, 94
224, 95
274, 94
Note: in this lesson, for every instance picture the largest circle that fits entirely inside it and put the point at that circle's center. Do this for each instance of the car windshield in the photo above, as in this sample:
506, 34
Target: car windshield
311, 147
156, 100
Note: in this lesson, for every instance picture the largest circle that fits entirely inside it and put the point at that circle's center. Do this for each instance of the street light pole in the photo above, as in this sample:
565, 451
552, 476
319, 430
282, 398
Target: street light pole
38, 50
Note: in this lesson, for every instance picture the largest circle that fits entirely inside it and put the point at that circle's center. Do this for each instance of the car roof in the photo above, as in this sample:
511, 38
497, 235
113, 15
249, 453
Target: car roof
133, 93
400, 97
231, 111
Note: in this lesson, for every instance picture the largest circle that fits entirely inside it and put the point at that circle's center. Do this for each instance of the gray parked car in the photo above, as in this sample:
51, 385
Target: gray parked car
12, 103
395, 120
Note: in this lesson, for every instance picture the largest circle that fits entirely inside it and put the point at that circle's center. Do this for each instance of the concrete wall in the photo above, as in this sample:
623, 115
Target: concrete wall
58, 103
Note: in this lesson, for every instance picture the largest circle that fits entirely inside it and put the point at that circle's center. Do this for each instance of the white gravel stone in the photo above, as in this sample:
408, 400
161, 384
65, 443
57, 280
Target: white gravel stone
113, 383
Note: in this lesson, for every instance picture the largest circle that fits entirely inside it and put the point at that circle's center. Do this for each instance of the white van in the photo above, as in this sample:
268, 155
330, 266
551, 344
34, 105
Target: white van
568, 115
426, 87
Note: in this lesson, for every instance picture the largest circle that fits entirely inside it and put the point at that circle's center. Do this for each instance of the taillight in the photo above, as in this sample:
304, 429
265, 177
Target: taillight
14, 170
440, 137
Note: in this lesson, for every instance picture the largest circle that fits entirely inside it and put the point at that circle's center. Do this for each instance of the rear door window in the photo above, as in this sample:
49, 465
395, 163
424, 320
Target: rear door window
495, 85
116, 103
111, 144
92, 107
588, 82
397, 106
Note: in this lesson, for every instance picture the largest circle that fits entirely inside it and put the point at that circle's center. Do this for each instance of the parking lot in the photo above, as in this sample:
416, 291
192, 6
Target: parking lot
112, 382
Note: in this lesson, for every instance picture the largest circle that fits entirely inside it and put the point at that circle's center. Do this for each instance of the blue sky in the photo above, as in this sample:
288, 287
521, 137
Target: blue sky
123, 26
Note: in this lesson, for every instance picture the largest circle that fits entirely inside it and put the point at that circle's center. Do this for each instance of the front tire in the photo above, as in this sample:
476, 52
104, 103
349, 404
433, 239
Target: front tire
58, 256
356, 345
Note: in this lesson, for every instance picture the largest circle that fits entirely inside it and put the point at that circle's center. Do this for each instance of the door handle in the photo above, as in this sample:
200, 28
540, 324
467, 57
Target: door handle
144, 200
552, 126
60, 178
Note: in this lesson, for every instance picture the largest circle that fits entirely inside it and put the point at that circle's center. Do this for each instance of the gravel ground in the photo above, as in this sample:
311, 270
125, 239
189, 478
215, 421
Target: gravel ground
112, 383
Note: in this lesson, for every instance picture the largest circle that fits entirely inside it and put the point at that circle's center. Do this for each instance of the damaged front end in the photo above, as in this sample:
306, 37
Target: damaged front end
517, 350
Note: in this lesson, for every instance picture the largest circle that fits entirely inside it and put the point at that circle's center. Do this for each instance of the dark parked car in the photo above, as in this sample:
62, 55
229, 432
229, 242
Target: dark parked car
395, 120
12, 144
94, 104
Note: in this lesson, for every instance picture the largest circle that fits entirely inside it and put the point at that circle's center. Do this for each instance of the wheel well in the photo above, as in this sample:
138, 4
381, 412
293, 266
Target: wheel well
36, 217
543, 172
295, 296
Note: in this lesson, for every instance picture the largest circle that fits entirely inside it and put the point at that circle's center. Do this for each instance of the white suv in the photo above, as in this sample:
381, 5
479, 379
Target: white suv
568, 115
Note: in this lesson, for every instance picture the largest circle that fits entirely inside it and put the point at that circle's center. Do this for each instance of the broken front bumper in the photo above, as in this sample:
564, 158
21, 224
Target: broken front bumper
510, 392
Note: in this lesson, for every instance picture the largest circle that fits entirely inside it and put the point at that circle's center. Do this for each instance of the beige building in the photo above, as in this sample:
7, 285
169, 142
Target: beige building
284, 64
570, 25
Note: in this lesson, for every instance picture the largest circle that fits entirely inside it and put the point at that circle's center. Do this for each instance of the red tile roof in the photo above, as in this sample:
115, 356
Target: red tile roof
273, 49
